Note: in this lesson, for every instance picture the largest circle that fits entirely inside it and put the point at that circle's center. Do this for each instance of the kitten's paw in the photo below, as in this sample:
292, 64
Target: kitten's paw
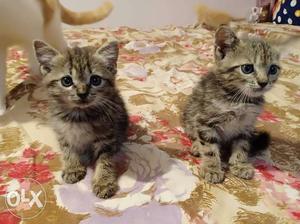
73, 176
212, 175
242, 170
105, 190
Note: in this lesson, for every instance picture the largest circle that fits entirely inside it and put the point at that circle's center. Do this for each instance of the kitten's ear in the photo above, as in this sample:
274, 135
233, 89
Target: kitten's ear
225, 40
109, 56
44, 53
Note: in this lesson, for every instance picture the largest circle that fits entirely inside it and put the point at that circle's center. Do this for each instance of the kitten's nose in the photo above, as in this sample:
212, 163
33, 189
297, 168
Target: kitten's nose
82, 95
262, 84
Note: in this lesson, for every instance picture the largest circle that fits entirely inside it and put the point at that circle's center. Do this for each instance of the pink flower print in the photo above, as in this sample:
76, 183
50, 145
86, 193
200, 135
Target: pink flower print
24, 71
296, 214
268, 117
30, 152
39, 172
3, 189
131, 58
185, 141
294, 58
163, 122
159, 136
135, 119
14, 54
7, 218
186, 155
49, 155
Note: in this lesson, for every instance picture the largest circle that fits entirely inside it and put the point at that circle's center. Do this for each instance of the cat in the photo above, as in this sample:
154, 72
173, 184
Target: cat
220, 115
23, 21
212, 19
87, 112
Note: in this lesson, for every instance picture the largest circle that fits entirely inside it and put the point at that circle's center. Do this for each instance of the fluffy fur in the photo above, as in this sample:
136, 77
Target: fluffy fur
26, 20
212, 19
86, 109
221, 113
75, 18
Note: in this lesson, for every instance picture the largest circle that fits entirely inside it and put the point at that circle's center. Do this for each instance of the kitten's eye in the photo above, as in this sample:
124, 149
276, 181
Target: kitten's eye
96, 80
247, 68
67, 81
273, 70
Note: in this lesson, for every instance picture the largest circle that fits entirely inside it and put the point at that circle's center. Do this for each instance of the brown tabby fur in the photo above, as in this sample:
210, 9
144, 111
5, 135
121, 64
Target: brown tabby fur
221, 113
90, 121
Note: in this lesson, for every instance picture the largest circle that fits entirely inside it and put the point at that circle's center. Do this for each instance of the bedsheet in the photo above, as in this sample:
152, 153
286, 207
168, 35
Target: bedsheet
159, 180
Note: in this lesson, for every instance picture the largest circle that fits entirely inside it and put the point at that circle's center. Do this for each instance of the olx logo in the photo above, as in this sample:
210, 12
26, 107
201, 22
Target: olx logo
14, 198
27, 200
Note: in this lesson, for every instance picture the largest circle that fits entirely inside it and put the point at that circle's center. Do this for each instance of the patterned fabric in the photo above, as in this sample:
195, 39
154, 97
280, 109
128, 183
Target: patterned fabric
159, 181
287, 12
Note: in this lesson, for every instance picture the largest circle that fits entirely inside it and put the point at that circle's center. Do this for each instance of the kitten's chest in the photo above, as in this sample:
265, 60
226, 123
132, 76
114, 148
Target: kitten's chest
244, 122
77, 135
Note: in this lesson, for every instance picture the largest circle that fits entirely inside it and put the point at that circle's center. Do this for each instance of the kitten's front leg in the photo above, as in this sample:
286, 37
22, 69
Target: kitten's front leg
211, 166
104, 181
239, 165
205, 145
73, 171
105, 177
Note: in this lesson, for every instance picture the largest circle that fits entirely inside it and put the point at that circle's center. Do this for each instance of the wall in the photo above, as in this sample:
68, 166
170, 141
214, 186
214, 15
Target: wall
146, 14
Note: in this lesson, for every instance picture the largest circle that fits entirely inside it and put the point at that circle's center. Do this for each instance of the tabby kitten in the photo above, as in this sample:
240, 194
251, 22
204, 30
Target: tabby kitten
24, 20
220, 115
88, 114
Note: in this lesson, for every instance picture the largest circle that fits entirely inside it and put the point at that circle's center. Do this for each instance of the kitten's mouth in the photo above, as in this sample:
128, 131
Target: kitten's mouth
82, 103
257, 89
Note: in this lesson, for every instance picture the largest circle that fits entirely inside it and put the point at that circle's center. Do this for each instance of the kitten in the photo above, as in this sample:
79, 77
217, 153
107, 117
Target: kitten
221, 113
23, 21
211, 19
87, 112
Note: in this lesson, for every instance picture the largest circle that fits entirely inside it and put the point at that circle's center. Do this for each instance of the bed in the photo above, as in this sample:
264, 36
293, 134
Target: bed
159, 179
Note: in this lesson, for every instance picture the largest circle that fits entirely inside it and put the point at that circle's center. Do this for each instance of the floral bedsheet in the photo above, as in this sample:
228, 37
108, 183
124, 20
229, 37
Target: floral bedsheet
159, 180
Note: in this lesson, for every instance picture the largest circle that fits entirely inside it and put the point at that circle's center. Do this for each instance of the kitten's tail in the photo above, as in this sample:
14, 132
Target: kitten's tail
80, 18
259, 142
76, 18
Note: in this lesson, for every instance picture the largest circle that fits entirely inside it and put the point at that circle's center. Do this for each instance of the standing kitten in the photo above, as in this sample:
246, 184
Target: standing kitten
220, 114
88, 114
22, 21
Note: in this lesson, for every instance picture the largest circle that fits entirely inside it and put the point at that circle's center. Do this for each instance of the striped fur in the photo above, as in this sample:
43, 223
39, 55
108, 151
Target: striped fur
223, 108
90, 120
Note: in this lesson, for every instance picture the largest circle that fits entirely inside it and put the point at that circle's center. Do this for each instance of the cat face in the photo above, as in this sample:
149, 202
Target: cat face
81, 78
250, 66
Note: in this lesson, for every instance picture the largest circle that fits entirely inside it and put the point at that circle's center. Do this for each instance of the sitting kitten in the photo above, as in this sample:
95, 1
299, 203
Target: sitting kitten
220, 114
88, 114
23, 21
